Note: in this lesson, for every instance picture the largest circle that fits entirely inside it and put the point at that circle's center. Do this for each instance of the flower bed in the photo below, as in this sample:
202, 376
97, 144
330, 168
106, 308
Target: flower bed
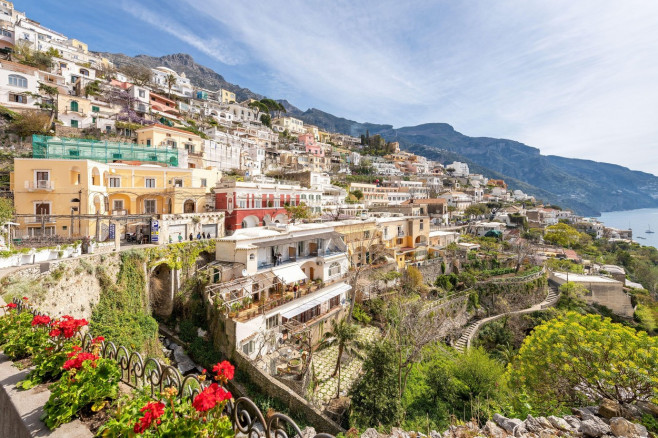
83, 374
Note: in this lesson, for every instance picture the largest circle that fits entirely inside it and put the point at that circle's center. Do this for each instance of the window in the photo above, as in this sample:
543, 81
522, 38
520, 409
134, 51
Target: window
141, 107
74, 123
84, 72
204, 182
334, 269
117, 204
149, 206
95, 109
74, 105
17, 98
148, 142
366, 234
242, 204
6, 33
115, 181
248, 347
422, 225
18, 81
149, 182
142, 93
178, 182
272, 321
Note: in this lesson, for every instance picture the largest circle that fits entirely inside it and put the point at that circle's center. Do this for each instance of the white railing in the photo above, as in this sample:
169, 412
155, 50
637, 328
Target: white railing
40, 185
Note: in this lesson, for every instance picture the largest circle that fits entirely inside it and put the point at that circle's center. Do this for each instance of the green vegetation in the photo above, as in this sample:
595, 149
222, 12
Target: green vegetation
576, 360
122, 313
566, 236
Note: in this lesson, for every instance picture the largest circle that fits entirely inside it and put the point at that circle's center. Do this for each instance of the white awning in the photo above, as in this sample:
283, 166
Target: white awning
290, 274
324, 296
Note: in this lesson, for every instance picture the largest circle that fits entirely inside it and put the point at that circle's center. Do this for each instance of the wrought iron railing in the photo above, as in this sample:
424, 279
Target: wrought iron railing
136, 372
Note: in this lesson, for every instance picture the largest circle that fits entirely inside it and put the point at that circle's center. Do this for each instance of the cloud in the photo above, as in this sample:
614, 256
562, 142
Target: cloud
213, 47
572, 78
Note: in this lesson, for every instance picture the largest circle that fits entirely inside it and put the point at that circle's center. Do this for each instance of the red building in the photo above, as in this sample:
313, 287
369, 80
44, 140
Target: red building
251, 204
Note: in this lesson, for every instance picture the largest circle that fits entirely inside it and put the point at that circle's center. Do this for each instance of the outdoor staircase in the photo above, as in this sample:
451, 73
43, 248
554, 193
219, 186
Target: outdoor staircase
464, 341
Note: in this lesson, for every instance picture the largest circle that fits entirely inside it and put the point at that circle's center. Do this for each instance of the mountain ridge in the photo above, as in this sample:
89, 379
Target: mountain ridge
587, 186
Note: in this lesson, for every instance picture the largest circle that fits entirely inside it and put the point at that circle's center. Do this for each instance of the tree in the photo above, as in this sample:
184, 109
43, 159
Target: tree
412, 281
6, 210
577, 360
358, 194
171, 80
375, 399
476, 210
343, 334
412, 327
139, 75
93, 88
522, 249
30, 122
296, 212
266, 120
571, 296
47, 99
562, 235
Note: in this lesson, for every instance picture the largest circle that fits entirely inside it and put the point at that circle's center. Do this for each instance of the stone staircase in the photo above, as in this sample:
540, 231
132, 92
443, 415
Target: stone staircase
464, 342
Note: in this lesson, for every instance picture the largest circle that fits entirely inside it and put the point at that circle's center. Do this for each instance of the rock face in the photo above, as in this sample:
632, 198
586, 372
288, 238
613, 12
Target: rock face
183, 361
589, 422
609, 408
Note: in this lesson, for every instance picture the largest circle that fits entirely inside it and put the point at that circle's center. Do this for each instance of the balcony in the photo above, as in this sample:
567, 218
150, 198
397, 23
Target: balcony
266, 264
39, 218
400, 233
119, 212
46, 185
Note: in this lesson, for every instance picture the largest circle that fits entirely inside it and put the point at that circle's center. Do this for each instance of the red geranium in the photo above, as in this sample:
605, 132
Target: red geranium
12, 305
97, 340
209, 397
78, 358
41, 320
25, 298
54, 333
152, 411
68, 326
225, 371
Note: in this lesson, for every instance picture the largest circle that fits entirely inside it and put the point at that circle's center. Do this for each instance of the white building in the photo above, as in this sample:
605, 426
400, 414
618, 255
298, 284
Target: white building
292, 125
17, 82
280, 263
458, 169
182, 86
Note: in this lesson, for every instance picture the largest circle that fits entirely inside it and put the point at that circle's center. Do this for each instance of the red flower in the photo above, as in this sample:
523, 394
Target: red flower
97, 340
209, 397
41, 320
224, 370
54, 333
12, 305
25, 298
77, 359
152, 411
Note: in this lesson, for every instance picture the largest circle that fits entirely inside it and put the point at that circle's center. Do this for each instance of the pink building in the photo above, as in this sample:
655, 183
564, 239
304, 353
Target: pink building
308, 141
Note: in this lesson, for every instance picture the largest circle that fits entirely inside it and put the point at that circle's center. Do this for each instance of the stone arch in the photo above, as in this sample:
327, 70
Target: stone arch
281, 218
267, 219
161, 290
189, 206
421, 239
250, 221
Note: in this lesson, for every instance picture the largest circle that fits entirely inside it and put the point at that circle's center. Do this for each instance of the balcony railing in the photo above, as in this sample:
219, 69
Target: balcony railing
39, 218
119, 212
319, 253
40, 185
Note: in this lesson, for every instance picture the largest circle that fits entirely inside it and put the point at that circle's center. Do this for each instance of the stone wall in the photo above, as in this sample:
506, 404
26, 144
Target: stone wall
498, 298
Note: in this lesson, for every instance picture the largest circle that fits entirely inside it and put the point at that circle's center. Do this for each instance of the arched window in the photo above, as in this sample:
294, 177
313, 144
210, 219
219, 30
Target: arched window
84, 72
18, 81
74, 105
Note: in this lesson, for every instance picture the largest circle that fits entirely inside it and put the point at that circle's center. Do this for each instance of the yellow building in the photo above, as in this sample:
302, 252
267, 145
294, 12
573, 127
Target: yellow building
80, 197
407, 237
164, 136
363, 240
74, 111
225, 96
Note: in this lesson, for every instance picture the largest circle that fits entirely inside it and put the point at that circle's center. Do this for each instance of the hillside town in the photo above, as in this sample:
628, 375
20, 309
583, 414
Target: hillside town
289, 250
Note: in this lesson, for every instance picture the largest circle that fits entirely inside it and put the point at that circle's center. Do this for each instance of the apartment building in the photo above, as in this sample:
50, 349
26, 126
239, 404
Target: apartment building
292, 280
49, 192
373, 195
405, 237
173, 138
253, 204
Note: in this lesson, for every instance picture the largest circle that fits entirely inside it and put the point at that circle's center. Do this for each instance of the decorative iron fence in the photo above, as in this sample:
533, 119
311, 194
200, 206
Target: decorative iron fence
136, 372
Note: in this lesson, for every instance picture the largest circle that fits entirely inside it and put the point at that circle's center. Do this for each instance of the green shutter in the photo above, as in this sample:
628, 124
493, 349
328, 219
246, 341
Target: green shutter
95, 109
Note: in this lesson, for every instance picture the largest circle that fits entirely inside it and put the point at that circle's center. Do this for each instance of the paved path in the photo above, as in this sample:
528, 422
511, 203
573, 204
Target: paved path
464, 342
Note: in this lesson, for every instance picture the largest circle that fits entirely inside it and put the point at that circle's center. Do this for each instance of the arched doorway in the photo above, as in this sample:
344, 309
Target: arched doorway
189, 206
250, 222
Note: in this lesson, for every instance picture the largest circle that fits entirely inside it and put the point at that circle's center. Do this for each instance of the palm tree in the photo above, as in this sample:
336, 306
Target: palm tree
344, 335
171, 81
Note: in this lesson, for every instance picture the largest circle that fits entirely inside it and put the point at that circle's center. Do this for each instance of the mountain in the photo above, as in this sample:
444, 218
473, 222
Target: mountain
588, 187
199, 75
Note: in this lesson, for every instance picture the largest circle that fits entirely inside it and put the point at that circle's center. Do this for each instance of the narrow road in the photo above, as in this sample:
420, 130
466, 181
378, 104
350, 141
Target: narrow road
464, 342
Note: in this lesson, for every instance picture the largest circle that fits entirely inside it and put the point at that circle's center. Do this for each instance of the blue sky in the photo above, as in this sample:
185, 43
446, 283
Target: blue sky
577, 79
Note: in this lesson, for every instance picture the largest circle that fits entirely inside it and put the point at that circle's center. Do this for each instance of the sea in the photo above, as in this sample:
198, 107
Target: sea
640, 221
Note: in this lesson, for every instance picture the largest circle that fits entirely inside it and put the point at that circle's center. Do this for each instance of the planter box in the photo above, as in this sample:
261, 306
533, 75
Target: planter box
20, 410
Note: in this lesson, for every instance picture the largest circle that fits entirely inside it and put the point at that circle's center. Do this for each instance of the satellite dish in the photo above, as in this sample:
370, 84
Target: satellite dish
244, 272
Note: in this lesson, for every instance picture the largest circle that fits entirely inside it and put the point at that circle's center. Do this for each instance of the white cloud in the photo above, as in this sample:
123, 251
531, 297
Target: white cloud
213, 47
572, 78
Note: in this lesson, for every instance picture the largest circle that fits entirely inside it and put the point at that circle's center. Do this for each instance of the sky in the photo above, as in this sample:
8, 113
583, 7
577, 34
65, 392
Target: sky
573, 78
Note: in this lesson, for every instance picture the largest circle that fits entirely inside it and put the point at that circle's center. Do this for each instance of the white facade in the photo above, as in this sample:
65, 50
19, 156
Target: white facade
182, 87
16, 82
458, 168
291, 124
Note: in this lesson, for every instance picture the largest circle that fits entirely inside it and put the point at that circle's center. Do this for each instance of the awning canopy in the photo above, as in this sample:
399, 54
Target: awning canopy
290, 274
325, 295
